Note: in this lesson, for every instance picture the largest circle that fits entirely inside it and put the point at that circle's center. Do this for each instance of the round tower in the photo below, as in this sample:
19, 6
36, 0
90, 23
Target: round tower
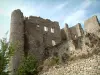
17, 37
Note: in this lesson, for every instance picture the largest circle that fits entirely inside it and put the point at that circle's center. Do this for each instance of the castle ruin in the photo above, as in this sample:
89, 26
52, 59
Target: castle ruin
34, 35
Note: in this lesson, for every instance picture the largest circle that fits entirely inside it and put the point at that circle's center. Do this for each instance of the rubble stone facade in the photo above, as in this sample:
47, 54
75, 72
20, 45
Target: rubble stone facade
92, 25
43, 37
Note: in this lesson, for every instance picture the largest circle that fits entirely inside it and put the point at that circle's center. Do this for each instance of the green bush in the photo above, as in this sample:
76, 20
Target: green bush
28, 66
6, 51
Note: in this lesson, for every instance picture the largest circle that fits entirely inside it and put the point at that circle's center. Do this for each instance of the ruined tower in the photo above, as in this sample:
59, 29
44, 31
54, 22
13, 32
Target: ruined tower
76, 31
43, 38
17, 37
65, 33
32, 35
92, 26
71, 33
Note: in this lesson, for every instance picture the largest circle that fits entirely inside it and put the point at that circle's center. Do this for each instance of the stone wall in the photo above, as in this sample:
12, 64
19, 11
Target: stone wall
92, 25
76, 31
43, 39
65, 33
40, 34
43, 30
32, 35
71, 33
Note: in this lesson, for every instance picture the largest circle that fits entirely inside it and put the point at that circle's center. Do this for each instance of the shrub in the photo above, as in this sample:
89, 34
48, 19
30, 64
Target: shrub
6, 51
28, 66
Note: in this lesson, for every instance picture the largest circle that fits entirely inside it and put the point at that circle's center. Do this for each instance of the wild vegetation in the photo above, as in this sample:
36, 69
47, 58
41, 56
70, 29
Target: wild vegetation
28, 66
6, 51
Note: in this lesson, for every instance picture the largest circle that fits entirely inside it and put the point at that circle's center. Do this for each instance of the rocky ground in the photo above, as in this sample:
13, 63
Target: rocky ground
81, 61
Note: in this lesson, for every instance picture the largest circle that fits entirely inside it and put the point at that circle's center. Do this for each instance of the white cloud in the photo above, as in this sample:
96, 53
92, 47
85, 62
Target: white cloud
60, 6
1, 11
85, 4
79, 14
76, 17
38, 10
57, 8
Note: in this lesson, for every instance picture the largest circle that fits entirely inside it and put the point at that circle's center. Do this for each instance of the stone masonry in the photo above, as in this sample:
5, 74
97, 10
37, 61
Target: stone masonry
42, 38
92, 25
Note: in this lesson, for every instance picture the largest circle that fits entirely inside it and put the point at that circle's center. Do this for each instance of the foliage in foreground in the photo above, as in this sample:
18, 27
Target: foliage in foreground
6, 51
28, 66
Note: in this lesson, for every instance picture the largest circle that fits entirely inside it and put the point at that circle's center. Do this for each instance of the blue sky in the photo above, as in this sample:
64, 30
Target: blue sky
63, 11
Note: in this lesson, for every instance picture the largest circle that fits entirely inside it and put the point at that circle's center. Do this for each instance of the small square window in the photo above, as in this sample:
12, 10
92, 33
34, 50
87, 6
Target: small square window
45, 28
52, 30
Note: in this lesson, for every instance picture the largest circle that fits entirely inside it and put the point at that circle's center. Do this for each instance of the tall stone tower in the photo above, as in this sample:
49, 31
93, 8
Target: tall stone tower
17, 37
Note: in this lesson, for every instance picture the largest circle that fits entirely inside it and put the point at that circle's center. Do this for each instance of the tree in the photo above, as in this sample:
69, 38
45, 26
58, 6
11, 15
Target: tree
6, 51
28, 66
